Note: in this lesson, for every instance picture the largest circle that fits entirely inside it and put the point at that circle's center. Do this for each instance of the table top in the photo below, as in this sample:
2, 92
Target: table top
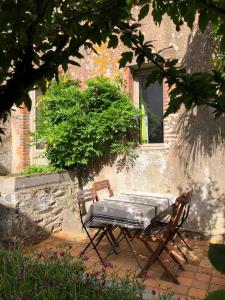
127, 210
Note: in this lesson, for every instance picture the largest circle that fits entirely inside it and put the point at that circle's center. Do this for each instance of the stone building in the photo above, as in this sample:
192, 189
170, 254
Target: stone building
187, 150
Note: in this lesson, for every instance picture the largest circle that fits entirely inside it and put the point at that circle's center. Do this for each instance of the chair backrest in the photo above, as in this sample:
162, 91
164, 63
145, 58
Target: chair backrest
102, 185
83, 197
186, 209
178, 210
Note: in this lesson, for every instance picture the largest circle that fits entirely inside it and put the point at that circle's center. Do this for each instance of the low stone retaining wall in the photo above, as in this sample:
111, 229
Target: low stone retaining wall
37, 205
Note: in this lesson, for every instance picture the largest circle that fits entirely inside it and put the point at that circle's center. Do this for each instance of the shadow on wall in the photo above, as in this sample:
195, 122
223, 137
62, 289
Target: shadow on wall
200, 47
15, 226
199, 136
3, 170
110, 159
207, 214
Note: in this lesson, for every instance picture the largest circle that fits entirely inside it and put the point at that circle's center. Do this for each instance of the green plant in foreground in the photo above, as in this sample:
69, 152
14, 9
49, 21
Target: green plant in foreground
39, 169
216, 256
57, 275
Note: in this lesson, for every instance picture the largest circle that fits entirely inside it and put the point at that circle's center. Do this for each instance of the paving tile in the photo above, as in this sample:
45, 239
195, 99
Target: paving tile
204, 270
218, 274
187, 274
218, 280
215, 287
200, 285
190, 267
165, 284
185, 281
202, 277
205, 263
197, 293
180, 289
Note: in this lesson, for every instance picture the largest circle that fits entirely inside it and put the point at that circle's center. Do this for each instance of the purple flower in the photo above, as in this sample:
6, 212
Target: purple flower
23, 298
107, 264
145, 275
97, 273
87, 282
84, 257
153, 292
40, 255
62, 253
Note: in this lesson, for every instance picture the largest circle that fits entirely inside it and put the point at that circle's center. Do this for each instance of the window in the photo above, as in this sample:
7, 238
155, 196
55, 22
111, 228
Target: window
150, 101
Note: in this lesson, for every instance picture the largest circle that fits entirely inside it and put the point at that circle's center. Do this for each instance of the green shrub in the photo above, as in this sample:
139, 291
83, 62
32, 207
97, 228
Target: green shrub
83, 129
57, 275
38, 169
216, 254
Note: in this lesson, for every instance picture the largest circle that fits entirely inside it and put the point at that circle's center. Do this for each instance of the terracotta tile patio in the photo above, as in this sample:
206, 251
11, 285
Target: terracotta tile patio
196, 281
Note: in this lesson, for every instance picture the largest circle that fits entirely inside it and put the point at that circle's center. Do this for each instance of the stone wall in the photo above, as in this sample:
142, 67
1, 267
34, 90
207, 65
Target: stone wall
35, 206
6, 149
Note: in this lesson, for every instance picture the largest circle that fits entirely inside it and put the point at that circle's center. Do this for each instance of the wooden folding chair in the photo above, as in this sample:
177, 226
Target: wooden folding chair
179, 226
83, 198
102, 185
105, 185
168, 233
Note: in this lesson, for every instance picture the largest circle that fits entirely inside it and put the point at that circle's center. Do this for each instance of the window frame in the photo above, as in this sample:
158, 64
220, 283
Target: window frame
146, 69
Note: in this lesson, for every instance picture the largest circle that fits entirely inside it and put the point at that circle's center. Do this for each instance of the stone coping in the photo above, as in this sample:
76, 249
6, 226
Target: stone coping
11, 184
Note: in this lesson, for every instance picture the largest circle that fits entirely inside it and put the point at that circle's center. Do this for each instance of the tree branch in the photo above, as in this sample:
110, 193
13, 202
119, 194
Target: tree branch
212, 6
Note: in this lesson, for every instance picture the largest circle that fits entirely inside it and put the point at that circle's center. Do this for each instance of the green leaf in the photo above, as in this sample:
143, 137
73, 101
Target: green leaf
222, 43
216, 256
113, 41
126, 57
216, 295
74, 63
126, 40
203, 20
27, 101
143, 12
65, 66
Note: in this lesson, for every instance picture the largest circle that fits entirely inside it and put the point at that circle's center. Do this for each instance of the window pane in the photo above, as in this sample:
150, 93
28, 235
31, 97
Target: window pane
151, 104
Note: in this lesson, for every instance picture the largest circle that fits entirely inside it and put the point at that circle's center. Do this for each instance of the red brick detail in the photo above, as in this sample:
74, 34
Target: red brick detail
23, 147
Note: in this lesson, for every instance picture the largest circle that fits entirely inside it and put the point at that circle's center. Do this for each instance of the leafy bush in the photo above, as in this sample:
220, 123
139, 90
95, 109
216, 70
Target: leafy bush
84, 128
38, 169
216, 256
57, 275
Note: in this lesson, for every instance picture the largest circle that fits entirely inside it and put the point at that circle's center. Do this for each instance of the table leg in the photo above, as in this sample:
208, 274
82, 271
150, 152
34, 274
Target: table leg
130, 246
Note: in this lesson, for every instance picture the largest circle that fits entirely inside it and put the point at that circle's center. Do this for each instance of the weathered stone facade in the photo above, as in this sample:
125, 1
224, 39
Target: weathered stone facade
6, 149
35, 206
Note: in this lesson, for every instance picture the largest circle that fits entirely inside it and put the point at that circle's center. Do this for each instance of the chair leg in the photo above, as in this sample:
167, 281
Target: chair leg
153, 258
174, 257
180, 250
183, 240
112, 244
93, 244
89, 244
